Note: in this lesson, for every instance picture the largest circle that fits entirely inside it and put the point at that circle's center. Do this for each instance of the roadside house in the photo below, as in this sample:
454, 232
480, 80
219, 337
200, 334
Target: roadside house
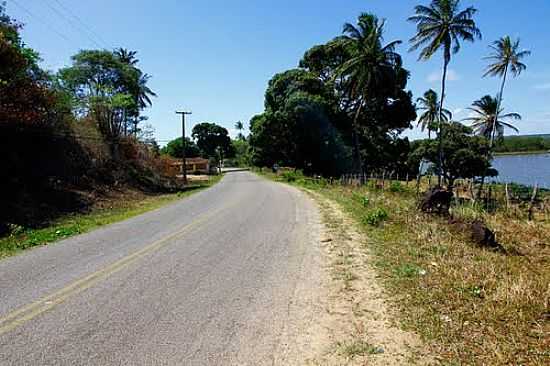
194, 166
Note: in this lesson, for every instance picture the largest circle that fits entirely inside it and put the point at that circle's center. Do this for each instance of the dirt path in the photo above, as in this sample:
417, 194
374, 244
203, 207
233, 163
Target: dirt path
356, 325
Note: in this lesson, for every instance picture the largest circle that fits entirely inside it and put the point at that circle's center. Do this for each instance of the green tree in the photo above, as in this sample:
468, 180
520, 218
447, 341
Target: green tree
243, 158
109, 88
371, 66
175, 148
429, 103
464, 154
506, 56
442, 26
484, 122
212, 140
25, 98
297, 127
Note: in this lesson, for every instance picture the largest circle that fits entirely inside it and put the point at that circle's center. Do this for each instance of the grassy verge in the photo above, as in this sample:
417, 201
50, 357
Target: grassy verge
472, 306
78, 223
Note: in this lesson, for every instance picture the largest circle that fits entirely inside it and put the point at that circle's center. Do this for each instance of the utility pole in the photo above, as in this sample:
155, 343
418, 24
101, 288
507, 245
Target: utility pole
184, 144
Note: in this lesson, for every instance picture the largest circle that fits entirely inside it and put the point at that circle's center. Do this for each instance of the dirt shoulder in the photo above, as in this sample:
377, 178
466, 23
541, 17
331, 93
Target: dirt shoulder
358, 322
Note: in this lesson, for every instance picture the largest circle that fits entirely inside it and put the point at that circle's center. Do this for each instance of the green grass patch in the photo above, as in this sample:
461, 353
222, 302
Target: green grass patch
78, 223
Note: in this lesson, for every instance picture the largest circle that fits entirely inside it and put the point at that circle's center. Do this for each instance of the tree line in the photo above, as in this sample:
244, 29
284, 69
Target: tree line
346, 105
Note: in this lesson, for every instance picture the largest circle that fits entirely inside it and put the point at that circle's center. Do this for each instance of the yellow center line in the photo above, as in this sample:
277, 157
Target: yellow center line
22, 315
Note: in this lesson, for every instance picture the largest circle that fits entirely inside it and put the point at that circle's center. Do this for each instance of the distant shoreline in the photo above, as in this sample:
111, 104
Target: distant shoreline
535, 152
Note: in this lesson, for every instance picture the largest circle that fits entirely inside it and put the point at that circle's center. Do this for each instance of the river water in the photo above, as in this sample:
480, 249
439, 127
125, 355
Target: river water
524, 169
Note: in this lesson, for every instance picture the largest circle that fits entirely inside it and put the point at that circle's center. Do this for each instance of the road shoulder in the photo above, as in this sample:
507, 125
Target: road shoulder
359, 324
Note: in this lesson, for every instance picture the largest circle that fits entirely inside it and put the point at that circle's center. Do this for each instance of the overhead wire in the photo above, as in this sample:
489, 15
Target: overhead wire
47, 24
73, 24
83, 24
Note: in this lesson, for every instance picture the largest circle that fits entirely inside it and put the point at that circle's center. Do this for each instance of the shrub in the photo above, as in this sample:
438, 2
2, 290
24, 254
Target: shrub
361, 198
375, 217
290, 176
397, 187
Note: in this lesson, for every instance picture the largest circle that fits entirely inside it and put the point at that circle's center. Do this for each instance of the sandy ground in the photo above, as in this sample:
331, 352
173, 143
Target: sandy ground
355, 325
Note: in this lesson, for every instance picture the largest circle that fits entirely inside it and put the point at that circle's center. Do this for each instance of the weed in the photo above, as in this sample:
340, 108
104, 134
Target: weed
356, 348
375, 217
407, 270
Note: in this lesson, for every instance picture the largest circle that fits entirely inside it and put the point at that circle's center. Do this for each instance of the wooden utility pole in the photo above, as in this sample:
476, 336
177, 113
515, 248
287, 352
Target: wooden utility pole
184, 145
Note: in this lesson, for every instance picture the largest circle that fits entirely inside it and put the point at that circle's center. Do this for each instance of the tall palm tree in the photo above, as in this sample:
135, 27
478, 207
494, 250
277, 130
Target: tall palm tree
506, 56
126, 56
239, 126
368, 67
442, 26
429, 103
487, 122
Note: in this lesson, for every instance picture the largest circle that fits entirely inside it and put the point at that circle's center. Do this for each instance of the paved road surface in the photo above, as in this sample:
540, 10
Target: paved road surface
225, 277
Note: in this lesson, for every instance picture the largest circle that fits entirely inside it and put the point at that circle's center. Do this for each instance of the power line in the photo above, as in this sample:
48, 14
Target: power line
48, 25
73, 24
81, 22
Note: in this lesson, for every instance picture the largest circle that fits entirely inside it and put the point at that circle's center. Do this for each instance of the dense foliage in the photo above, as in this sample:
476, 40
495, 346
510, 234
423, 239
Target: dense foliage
213, 140
465, 155
58, 128
175, 148
346, 105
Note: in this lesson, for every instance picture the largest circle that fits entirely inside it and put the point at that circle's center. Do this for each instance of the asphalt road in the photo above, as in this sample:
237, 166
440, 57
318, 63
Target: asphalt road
225, 277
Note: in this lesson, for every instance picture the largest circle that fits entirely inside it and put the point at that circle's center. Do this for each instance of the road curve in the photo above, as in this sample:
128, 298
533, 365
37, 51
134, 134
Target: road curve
229, 276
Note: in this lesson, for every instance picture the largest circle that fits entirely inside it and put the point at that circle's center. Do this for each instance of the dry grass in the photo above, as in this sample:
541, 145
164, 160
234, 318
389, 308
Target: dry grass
474, 306
471, 305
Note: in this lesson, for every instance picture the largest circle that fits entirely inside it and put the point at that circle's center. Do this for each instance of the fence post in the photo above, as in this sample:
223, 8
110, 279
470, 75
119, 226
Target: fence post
532, 203
507, 197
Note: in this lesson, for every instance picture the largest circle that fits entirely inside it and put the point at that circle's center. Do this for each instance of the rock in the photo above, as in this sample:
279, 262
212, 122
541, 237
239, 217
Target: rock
437, 200
484, 237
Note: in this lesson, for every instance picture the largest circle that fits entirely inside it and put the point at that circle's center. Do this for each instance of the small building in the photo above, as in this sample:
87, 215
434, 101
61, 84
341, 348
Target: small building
194, 166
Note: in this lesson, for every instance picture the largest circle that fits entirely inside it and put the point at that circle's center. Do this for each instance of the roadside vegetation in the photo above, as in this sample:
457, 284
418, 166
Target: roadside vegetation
472, 305
465, 262
118, 206
77, 150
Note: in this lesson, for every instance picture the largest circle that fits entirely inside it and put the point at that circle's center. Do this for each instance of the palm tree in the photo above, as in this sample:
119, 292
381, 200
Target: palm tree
487, 122
368, 67
442, 26
429, 103
126, 56
144, 93
505, 57
239, 126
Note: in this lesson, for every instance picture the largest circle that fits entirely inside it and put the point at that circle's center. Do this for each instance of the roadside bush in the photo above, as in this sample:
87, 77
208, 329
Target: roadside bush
362, 198
375, 217
290, 176
397, 187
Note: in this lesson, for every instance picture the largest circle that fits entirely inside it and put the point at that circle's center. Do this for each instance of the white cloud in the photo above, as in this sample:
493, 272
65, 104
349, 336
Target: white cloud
458, 111
435, 76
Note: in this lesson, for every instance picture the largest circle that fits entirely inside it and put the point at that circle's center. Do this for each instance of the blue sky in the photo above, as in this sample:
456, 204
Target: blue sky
215, 57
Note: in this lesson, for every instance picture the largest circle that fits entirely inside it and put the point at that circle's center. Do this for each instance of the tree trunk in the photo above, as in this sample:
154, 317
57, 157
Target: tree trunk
357, 161
447, 59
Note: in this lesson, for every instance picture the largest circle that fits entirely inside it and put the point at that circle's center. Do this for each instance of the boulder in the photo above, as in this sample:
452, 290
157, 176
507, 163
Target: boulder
437, 200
